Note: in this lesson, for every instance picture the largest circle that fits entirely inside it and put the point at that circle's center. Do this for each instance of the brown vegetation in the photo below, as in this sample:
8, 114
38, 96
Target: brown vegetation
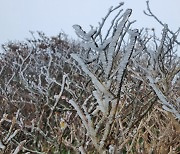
113, 94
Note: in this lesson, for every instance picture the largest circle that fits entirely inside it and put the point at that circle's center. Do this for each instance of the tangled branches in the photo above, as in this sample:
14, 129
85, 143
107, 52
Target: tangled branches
112, 93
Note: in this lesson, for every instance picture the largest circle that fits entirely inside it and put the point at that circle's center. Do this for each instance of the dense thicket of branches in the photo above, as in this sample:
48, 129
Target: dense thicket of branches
111, 93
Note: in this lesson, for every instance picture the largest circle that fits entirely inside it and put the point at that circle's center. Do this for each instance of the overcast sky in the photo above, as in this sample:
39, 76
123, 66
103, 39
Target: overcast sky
17, 17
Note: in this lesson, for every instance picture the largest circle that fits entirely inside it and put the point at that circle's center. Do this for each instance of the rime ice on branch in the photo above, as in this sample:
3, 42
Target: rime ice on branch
105, 61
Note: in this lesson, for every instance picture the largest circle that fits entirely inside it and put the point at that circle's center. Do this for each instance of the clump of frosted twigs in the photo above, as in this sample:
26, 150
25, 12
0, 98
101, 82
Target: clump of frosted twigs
116, 92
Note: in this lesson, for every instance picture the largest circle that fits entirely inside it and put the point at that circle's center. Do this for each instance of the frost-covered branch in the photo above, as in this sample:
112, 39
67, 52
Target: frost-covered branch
115, 39
166, 105
150, 13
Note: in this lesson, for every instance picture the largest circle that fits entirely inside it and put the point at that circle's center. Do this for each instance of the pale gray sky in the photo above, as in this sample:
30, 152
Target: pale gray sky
17, 17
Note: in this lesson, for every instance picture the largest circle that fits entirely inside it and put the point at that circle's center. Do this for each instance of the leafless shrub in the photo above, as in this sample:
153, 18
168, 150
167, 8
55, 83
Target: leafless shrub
113, 93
